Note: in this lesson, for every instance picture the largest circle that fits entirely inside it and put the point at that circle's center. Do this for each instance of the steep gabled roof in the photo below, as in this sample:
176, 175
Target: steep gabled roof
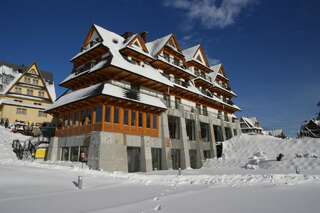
114, 43
49, 86
155, 46
191, 53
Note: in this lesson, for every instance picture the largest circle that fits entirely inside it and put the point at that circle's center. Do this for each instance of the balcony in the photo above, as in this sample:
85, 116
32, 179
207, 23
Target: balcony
173, 67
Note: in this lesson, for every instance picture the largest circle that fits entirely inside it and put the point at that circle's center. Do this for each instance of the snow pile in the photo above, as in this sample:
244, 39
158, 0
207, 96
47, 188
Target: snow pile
6, 138
261, 151
255, 160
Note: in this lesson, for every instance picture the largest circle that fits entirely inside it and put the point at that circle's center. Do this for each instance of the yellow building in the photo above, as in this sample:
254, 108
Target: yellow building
25, 92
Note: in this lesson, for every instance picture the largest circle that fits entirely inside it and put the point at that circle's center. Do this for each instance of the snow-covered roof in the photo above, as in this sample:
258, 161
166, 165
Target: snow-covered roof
155, 46
107, 89
17, 71
216, 67
114, 43
275, 132
190, 52
251, 122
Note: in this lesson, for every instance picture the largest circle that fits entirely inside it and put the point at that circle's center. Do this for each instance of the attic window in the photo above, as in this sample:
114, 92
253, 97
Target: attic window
115, 41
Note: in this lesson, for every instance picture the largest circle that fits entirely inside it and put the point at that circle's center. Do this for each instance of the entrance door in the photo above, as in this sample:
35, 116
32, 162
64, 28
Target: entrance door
133, 159
156, 158
175, 156
193, 158
219, 149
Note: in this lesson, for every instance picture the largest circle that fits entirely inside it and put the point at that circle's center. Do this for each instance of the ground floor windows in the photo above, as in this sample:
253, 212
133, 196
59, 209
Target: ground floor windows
176, 157
207, 154
235, 132
174, 127
156, 158
193, 158
65, 153
133, 156
74, 153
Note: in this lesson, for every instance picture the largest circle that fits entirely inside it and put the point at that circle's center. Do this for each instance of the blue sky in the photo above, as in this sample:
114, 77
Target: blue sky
270, 48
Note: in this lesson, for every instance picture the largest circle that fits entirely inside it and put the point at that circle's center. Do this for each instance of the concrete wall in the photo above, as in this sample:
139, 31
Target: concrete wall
108, 151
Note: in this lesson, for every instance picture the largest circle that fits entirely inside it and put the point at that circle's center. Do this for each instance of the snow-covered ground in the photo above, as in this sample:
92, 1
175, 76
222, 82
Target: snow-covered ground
247, 179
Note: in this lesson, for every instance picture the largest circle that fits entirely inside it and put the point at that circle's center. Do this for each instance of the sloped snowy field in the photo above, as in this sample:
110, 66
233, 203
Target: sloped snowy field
218, 187
260, 152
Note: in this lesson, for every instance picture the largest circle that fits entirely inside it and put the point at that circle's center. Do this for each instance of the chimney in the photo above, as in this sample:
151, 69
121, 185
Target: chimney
144, 36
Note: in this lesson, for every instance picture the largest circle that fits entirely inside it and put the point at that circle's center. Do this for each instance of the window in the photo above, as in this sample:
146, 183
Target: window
177, 102
205, 110
235, 132
205, 132
98, 114
38, 104
108, 114
89, 117
76, 118
191, 129
17, 100
167, 100
174, 127
21, 111
65, 153
42, 114
154, 121
29, 92
140, 119
133, 118
27, 80
148, 119
126, 117
116, 115
198, 106
18, 90
35, 81
83, 117
41, 93
74, 154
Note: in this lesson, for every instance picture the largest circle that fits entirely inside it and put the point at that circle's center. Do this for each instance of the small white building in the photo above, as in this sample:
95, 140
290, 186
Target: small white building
250, 125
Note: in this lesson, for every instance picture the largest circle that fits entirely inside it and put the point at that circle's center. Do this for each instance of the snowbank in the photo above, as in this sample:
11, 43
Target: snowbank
6, 138
260, 151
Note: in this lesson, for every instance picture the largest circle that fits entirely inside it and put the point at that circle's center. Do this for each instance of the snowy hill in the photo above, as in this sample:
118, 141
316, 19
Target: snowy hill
6, 138
260, 151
